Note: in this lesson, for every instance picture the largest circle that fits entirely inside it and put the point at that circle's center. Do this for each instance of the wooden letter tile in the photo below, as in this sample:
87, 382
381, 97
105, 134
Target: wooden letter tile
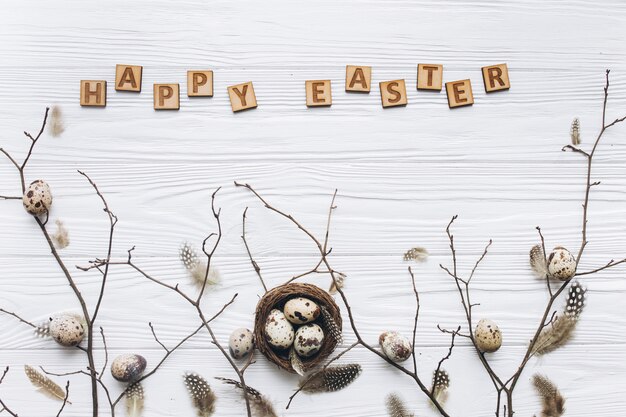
496, 78
393, 93
358, 78
318, 93
93, 93
166, 97
429, 77
128, 77
459, 93
200, 83
242, 96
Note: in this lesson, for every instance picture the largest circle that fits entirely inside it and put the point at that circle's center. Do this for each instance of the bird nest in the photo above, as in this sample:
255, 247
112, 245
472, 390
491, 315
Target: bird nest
276, 298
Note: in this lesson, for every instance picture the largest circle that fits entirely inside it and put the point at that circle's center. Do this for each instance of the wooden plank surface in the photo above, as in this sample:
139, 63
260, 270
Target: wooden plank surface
401, 175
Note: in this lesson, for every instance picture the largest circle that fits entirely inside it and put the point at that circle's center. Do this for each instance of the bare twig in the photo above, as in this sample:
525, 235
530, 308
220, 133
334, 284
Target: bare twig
2, 403
256, 266
195, 302
454, 334
67, 394
335, 277
18, 317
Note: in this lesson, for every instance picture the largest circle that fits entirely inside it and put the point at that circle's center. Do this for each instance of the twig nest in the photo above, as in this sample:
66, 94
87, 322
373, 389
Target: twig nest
240, 343
488, 336
395, 346
274, 302
561, 264
278, 330
37, 198
309, 338
66, 330
301, 310
128, 367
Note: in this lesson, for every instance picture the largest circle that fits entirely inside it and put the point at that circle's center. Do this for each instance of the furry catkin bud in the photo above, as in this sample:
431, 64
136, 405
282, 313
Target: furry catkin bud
202, 396
333, 378
575, 132
396, 407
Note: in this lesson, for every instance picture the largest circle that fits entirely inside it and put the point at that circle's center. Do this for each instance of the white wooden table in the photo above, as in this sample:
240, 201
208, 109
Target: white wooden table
401, 174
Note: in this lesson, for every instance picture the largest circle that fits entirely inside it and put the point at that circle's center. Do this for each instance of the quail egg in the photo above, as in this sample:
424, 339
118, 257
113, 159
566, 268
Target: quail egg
37, 198
301, 310
395, 346
308, 341
488, 336
278, 330
240, 343
66, 330
128, 367
561, 264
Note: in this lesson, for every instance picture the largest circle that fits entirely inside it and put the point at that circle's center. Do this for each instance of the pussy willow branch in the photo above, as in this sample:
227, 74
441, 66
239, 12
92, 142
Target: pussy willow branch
324, 252
195, 301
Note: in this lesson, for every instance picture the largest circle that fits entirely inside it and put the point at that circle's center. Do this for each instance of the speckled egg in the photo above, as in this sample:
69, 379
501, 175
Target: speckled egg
561, 264
240, 343
66, 330
37, 198
278, 330
301, 310
309, 338
395, 346
488, 336
128, 367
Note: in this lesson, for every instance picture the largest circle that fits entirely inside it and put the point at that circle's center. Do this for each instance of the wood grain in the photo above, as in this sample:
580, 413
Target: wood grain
401, 175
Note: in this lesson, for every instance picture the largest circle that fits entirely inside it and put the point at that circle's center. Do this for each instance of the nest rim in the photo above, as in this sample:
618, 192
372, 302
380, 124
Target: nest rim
276, 298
